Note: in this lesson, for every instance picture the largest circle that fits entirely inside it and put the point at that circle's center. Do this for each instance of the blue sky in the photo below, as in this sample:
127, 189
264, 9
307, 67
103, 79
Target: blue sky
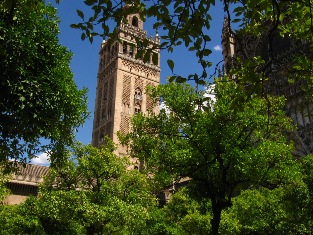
85, 55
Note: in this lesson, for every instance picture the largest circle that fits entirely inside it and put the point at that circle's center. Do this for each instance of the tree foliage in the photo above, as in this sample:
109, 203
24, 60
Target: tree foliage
4, 178
123, 204
185, 215
39, 99
222, 147
283, 210
188, 23
260, 211
19, 219
94, 193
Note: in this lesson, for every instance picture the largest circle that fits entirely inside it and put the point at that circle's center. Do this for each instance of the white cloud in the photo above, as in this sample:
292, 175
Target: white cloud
217, 48
42, 159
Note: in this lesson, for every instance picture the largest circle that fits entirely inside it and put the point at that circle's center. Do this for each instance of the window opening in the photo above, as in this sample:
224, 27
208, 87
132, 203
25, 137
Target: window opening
135, 21
155, 58
137, 109
131, 50
112, 51
109, 54
124, 47
138, 95
109, 114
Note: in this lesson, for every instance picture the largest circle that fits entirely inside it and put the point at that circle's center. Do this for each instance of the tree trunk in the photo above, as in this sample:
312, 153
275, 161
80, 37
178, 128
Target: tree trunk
215, 221
90, 230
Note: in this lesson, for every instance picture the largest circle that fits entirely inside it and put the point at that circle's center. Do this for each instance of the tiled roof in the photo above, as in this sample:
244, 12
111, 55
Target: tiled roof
30, 174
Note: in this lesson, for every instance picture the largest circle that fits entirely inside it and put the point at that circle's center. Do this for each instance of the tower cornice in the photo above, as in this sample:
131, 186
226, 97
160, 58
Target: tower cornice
139, 61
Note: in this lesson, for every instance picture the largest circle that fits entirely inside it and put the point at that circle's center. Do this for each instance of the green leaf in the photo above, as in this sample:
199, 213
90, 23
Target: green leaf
170, 64
146, 57
206, 52
179, 9
90, 38
74, 26
80, 14
171, 78
207, 38
201, 82
83, 36
90, 2
180, 79
236, 20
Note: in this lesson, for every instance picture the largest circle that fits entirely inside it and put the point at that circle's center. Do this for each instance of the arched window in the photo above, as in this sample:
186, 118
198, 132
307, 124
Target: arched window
109, 53
131, 50
112, 51
138, 95
137, 100
135, 21
140, 49
137, 109
124, 47
140, 46
155, 58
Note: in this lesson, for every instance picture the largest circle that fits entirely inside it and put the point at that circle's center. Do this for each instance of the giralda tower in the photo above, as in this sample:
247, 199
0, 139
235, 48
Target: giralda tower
122, 80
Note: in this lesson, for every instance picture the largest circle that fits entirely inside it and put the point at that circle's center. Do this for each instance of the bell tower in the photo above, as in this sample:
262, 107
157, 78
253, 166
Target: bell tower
122, 79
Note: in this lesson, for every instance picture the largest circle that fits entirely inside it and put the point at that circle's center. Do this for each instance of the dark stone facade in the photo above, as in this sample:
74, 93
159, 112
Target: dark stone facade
278, 53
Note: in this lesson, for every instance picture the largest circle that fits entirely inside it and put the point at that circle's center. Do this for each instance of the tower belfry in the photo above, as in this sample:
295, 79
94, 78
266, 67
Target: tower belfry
122, 79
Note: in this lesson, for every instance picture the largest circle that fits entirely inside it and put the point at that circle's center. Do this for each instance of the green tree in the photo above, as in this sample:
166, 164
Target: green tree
4, 192
38, 97
185, 215
284, 210
19, 219
222, 147
104, 196
182, 215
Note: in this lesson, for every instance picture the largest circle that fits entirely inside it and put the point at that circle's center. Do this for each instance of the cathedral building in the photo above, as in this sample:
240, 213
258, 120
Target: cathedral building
278, 53
24, 182
122, 81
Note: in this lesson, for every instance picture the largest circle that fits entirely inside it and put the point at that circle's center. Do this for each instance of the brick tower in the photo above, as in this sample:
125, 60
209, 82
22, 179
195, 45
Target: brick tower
122, 79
